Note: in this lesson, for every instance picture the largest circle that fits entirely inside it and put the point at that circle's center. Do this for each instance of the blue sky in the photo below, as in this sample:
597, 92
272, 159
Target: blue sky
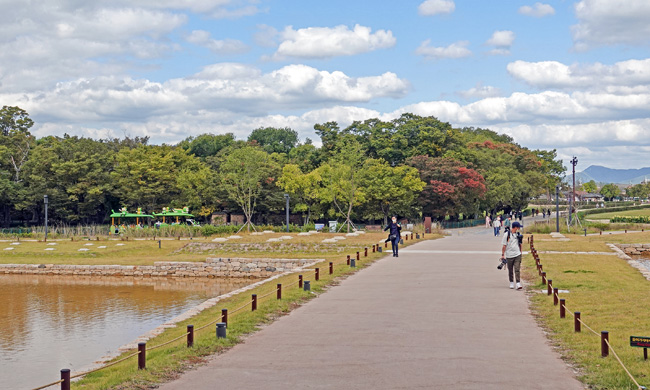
567, 75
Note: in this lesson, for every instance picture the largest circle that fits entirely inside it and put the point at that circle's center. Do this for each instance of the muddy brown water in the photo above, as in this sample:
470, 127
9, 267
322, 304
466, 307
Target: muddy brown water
52, 322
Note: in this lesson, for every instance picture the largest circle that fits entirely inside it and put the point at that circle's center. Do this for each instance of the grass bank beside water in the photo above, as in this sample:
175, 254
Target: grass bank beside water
611, 296
167, 362
146, 252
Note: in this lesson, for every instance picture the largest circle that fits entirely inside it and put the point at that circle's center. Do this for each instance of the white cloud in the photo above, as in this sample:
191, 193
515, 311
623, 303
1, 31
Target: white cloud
231, 88
325, 42
538, 10
41, 46
455, 50
225, 46
625, 77
605, 22
480, 91
502, 42
435, 7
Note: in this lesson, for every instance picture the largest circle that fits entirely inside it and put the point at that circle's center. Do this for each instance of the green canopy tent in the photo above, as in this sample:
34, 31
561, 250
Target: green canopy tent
123, 213
173, 213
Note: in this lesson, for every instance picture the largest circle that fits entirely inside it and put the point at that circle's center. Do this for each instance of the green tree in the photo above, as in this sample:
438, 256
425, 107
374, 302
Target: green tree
75, 174
275, 140
152, 176
390, 190
641, 191
16, 143
243, 174
341, 181
590, 186
303, 188
610, 191
206, 145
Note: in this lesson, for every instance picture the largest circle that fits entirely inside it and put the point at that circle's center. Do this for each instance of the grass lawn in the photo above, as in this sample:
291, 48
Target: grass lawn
628, 213
146, 252
580, 243
611, 296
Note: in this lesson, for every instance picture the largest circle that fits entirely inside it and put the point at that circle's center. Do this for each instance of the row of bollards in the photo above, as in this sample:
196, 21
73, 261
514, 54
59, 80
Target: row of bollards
221, 327
551, 290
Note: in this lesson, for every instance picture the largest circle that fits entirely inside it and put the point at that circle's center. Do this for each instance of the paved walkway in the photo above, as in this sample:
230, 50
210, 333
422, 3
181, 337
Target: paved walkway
441, 316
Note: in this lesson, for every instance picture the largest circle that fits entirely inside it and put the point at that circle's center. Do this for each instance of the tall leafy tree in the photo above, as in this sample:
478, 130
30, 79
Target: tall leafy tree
341, 185
610, 191
275, 140
243, 174
303, 188
451, 187
590, 186
390, 190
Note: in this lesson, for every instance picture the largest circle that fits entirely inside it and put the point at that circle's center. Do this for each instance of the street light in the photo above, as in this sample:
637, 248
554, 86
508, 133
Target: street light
557, 208
286, 196
45, 201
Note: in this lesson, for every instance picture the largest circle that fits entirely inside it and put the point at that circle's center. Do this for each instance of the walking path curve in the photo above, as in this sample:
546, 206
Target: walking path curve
441, 316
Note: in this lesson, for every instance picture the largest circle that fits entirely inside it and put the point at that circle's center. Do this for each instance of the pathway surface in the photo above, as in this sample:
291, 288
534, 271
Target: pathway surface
441, 316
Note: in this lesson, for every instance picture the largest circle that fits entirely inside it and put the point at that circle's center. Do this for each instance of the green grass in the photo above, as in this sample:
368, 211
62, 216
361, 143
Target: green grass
167, 362
611, 296
146, 252
627, 213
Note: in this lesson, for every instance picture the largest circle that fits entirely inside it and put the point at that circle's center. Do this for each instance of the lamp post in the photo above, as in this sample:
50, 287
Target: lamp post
286, 197
557, 208
574, 162
45, 201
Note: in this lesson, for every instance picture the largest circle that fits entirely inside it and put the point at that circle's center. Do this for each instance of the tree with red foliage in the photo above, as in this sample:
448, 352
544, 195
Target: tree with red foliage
452, 187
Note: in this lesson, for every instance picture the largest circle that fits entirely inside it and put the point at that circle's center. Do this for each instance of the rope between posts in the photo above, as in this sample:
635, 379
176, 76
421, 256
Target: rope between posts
168, 342
240, 307
289, 285
606, 341
51, 384
622, 365
179, 337
106, 366
266, 295
211, 323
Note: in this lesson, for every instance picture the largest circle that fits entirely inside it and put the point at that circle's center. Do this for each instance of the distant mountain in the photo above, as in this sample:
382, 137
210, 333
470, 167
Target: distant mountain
604, 175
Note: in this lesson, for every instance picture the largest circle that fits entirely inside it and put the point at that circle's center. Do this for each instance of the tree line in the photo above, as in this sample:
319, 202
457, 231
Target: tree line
412, 166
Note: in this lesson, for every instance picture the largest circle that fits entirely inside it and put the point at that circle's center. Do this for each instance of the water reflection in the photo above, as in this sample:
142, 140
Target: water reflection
53, 322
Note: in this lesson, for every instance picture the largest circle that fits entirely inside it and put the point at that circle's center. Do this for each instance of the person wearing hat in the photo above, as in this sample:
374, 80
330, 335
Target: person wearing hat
511, 252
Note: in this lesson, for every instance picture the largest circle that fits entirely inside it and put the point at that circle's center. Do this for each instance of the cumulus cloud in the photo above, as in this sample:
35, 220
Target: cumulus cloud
41, 46
235, 88
501, 41
435, 7
537, 10
325, 42
625, 77
225, 46
604, 22
480, 91
455, 50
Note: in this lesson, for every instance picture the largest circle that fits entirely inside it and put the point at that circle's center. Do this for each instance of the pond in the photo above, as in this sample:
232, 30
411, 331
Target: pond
52, 322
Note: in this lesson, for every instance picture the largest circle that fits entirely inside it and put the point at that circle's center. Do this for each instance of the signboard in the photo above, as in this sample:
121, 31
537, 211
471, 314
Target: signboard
639, 341
333, 226
319, 226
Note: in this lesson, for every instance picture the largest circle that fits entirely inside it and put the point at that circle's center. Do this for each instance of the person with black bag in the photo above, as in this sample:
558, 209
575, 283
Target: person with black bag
394, 232
511, 252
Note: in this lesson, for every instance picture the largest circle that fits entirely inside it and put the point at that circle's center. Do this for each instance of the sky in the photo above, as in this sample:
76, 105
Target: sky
567, 75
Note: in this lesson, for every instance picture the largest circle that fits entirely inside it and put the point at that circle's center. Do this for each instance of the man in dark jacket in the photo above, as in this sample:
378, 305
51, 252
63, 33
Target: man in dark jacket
394, 230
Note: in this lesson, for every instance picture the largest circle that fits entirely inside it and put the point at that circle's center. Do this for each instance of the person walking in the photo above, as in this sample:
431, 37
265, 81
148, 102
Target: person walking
487, 221
394, 233
497, 226
511, 252
506, 224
